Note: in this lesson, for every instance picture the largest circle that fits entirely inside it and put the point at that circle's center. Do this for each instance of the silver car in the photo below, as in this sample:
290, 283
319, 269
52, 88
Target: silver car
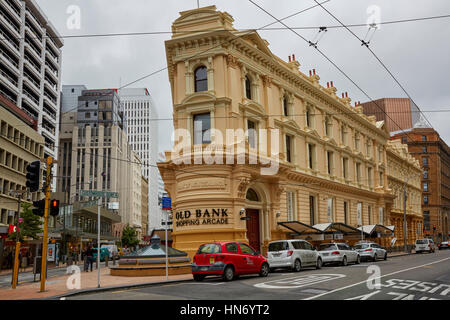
293, 254
338, 253
370, 251
425, 245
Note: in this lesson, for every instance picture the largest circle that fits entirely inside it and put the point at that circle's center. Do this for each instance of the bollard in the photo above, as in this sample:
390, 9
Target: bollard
114, 260
106, 261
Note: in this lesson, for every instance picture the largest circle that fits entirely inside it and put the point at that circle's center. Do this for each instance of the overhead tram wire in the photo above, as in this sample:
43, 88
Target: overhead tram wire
333, 63
365, 44
144, 33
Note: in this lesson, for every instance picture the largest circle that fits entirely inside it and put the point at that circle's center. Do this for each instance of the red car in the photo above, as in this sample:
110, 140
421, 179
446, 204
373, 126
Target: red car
228, 259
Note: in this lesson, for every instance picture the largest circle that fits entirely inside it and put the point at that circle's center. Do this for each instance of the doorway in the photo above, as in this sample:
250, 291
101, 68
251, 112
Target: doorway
253, 234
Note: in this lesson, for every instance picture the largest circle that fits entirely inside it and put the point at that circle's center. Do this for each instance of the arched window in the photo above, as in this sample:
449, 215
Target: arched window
252, 195
248, 88
201, 79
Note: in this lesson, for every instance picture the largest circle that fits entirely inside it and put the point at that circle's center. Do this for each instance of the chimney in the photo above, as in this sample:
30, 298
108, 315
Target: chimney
346, 94
289, 58
331, 84
343, 95
328, 84
310, 73
314, 71
293, 57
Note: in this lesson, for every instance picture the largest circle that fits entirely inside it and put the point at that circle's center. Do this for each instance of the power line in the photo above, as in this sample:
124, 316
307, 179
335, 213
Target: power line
373, 53
329, 60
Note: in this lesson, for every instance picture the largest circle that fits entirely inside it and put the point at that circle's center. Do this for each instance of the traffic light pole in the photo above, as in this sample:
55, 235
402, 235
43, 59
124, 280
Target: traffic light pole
15, 278
45, 237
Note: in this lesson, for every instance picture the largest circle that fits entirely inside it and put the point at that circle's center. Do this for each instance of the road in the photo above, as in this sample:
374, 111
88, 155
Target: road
413, 277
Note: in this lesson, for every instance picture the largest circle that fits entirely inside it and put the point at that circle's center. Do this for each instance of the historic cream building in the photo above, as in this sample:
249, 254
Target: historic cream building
404, 173
263, 151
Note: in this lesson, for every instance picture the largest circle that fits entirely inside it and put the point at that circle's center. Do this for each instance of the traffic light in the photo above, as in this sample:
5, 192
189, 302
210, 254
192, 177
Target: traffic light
34, 176
39, 207
54, 207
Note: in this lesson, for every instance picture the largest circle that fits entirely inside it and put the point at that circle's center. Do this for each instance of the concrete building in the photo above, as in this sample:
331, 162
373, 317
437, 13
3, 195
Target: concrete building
433, 154
142, 131
262, 149
69, 97
144, 206
30, 65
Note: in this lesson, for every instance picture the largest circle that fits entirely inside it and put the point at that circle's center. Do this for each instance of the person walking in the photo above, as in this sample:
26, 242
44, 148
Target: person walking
90, 257
85, 259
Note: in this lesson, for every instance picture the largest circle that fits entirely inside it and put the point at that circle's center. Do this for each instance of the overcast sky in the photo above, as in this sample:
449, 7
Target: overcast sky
417, 53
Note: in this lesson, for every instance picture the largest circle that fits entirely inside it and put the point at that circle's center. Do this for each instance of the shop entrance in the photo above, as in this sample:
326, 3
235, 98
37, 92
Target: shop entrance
253, 228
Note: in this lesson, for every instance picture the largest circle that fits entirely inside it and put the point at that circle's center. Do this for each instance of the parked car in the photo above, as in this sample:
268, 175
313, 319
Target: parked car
370, 251
443, 245
229, 260
425, 245
338, 253
293, 254
104, 252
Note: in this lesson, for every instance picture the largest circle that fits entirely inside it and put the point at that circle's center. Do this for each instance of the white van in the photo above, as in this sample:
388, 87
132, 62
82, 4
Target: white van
293, 254
424, 245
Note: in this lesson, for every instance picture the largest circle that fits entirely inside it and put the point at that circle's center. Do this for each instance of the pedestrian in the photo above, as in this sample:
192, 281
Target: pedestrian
90, 257
9, 260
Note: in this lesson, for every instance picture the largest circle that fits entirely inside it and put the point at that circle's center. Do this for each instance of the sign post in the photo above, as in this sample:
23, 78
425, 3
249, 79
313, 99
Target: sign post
166, 206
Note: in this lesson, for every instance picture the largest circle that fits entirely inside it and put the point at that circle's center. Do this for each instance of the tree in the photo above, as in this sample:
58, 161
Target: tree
31, 224
129, 236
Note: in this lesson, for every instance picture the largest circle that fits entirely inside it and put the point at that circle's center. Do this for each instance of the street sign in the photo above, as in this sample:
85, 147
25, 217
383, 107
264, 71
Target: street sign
88, 204
99, 194
166, 203
12, 228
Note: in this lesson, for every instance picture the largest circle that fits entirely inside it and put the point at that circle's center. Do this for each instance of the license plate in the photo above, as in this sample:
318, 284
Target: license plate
211, 261
276, 254
325, 254
203, 268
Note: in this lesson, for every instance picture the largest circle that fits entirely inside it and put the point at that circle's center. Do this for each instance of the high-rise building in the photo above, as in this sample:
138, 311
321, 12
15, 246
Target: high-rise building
30, 64
69, 97
142, 131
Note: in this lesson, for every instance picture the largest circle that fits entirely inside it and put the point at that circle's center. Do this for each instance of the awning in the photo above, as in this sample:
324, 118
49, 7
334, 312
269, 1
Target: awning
375, 228
299, 227
336, 227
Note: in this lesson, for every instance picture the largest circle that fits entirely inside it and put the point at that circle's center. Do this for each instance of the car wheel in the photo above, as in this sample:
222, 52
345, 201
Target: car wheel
385, 256
344, 261
375, 257
228, 273
319, 264
264, 272
358, 259
297, 265
199, 277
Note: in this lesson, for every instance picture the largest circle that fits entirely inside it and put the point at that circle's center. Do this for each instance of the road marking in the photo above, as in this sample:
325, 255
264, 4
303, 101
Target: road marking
299, 281
386, 275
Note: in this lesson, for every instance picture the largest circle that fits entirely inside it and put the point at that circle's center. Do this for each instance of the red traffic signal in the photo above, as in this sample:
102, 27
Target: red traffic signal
54, 207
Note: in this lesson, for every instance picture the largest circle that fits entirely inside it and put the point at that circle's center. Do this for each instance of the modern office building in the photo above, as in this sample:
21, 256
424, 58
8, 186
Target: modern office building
30, 66
69, 97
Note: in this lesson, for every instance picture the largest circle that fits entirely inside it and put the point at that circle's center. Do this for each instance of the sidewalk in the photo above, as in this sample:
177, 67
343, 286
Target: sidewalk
57, 286
30, 268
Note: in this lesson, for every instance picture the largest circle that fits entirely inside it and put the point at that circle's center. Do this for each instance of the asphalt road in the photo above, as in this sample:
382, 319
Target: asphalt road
413, 277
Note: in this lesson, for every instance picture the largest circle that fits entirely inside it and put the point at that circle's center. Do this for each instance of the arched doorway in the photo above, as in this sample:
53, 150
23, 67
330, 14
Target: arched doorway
253, 212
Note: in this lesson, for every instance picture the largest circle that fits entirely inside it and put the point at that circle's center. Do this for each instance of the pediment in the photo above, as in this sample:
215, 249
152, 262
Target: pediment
196, 14
332, 142
253, 107
199, 97
255, 40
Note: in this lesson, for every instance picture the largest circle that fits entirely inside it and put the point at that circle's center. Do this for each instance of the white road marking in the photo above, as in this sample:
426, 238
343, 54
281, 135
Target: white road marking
299, 281
386, 275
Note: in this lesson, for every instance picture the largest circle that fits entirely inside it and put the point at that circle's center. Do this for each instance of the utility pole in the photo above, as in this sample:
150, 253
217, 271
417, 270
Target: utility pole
15, 275
48, 180
405, 197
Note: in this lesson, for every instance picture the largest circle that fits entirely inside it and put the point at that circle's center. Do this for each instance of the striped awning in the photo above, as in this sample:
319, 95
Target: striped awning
336, 227
299, 227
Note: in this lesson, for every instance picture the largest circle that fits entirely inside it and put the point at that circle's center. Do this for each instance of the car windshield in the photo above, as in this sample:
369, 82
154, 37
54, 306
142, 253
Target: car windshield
421, 241
327, 247
361, 246
209, 248
278, 246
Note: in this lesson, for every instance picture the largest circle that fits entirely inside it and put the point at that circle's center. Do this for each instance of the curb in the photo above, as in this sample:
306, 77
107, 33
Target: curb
123, 287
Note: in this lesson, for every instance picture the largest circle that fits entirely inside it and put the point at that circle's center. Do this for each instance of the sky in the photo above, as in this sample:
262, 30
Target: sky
417, 53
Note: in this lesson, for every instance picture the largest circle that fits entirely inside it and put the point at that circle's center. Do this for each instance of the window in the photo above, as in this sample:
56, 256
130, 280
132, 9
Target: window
381, 179
345, 212
209, 248
285, 106
369, 177
424, 149
246, 249
309, 117
425, 200
87, 115
404, 140
330, 162
248, 88
232, 247
202, 126
311, 156
252, 195
424, 138
312, 202
425, 161
328, 127
345, 168
357, 139
426, 220
369, 213
201, 79
343, 135
425, 186
425, 174
252, 138
290, 198
358, 172
288, 148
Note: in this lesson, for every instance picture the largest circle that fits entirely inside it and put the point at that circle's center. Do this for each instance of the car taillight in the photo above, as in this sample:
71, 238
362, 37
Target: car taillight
290, 252
368, 250
335, 252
